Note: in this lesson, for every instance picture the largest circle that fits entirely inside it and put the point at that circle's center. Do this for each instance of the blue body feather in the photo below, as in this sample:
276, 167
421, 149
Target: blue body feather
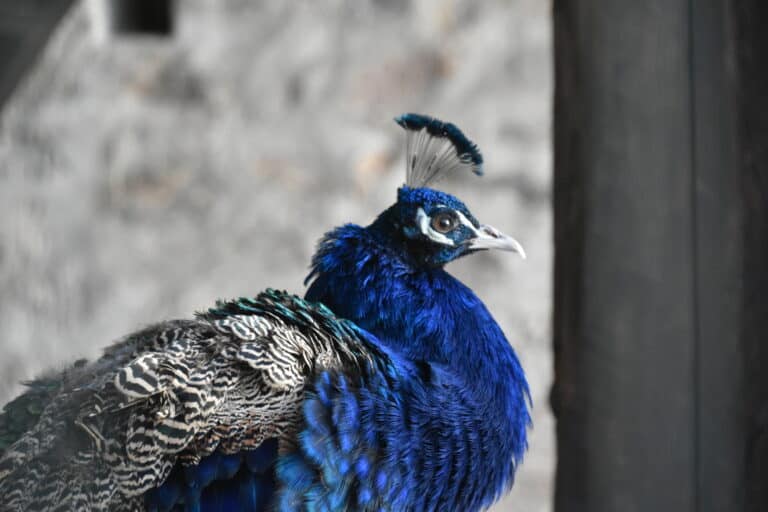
460, 392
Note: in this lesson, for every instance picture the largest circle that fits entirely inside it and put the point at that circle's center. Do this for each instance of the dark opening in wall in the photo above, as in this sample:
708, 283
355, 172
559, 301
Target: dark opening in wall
151, 17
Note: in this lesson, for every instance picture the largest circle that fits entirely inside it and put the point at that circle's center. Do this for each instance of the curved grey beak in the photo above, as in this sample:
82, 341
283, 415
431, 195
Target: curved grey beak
488, 237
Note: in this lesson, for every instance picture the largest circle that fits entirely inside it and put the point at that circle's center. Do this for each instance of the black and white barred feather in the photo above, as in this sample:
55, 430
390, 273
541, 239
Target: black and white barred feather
174, 392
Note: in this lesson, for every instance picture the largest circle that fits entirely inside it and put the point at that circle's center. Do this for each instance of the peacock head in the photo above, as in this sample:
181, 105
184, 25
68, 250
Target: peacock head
432, 227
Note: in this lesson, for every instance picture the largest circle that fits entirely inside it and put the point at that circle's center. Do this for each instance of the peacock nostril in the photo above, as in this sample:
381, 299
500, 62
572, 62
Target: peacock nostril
491, 231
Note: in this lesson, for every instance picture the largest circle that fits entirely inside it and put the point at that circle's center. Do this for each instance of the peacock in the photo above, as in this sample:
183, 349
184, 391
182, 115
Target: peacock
388, 386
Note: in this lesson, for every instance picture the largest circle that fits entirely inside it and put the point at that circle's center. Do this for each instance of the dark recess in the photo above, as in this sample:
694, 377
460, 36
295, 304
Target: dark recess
151, 17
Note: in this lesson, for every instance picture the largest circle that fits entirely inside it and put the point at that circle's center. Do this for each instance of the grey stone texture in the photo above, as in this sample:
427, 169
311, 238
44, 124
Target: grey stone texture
142, 178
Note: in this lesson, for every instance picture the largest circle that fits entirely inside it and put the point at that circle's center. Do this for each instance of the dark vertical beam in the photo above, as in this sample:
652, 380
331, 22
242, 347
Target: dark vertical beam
661, 313
719, 252
25, 26
750, 18
624, 316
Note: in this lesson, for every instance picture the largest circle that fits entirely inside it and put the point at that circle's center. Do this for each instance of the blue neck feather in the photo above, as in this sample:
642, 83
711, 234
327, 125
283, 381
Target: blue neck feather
370, 276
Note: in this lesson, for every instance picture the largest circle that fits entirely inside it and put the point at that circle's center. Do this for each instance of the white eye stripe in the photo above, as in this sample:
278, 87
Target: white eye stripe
423, 220
464, 220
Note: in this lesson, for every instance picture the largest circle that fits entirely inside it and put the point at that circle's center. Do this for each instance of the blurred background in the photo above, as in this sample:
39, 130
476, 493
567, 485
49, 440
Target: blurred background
151, 164
143, 176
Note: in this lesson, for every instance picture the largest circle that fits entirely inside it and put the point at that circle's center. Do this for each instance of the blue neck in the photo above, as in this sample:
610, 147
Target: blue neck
365, 275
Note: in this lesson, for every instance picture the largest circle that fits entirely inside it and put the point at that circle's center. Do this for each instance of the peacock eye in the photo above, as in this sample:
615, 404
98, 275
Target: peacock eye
444, 222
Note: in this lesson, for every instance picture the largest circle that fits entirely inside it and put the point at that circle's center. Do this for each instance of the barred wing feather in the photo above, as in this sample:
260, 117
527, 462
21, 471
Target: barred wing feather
172, 394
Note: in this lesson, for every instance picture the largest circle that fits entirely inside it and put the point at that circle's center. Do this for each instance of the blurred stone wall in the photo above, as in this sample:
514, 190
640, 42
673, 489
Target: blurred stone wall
140, 179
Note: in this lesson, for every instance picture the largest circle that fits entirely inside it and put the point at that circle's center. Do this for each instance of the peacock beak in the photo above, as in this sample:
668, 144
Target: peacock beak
488, 237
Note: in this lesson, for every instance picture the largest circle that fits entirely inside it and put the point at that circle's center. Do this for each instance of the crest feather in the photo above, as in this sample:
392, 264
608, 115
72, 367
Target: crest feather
435, 149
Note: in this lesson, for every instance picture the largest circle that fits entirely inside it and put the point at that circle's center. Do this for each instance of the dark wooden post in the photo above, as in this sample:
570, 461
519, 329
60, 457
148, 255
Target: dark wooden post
658, 221
749, 19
